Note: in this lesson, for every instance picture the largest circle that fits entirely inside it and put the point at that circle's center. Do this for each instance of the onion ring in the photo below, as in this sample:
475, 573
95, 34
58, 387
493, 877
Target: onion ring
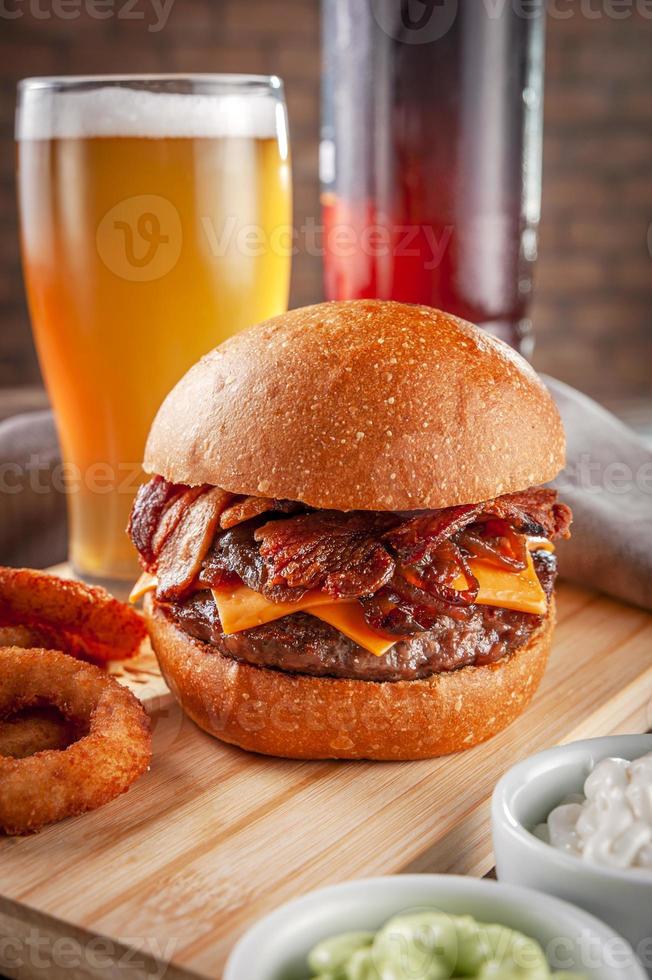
83, 620
38, 728
52, 785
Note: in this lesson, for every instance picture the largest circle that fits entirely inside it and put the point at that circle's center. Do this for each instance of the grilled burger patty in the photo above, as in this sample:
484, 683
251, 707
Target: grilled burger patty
302, 644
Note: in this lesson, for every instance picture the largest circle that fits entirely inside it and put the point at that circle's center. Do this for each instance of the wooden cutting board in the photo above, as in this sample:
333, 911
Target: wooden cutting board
212, 838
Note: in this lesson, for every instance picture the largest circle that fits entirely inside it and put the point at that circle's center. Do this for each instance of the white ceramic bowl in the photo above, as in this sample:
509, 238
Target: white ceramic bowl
276, 948
525, 796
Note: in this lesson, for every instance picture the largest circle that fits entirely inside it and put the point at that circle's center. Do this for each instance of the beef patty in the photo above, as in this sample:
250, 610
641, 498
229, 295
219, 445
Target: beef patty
302, 644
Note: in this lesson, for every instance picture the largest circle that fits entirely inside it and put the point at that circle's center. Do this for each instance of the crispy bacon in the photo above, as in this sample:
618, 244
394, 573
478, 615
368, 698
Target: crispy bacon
420, 536
151, 501
533, 511
405, 569
172, 515
248, 507
340, 553
184, 550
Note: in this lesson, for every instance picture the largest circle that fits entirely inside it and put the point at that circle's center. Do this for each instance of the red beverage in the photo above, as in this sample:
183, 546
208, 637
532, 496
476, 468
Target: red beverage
431, 151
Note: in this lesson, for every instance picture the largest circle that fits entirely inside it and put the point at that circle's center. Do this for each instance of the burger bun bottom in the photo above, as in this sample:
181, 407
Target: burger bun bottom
296, 716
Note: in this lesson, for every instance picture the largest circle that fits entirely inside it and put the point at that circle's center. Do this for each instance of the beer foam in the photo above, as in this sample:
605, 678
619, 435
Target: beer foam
122, 111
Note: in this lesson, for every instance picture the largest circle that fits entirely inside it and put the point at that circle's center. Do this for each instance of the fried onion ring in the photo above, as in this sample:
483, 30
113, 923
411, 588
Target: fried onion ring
55, 784
83, 620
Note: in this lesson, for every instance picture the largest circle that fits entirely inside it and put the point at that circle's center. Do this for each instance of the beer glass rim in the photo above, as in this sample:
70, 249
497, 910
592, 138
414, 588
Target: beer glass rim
220, 83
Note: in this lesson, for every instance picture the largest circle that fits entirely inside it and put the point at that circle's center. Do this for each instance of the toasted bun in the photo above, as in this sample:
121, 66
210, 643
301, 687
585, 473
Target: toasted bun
365, 405
301, 717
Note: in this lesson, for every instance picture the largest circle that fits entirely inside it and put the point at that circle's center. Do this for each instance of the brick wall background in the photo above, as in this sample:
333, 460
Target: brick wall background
593, 303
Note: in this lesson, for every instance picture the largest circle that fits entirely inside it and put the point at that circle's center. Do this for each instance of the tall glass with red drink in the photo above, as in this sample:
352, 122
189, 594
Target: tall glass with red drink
431, 155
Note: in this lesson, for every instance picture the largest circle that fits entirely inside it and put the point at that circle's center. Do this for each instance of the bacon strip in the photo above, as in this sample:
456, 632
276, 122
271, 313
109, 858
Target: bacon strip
248, 507
173, 514
338, 552
402, 569
151, 501
185, 548
421, 536
533, 511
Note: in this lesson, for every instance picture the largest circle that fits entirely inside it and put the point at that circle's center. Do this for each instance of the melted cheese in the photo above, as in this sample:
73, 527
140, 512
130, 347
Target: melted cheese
509, 590
241, 608
348, 618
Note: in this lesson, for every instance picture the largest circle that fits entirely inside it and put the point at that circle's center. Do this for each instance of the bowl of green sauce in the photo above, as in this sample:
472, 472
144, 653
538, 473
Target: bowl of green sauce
430, 927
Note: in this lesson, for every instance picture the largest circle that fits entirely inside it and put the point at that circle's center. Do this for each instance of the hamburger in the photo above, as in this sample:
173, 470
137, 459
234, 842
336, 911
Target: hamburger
347, 549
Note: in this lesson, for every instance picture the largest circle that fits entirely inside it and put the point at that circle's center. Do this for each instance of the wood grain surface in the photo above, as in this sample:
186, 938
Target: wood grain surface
162, 881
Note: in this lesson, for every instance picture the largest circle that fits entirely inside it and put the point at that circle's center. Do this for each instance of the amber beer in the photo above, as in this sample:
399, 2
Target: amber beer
155, 223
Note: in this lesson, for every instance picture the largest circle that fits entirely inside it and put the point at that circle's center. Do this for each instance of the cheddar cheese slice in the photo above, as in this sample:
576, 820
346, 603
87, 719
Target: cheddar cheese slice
241, 608
348, 618
509, 590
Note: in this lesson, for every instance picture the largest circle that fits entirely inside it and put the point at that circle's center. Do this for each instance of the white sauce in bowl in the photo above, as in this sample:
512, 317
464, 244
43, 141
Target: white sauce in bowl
611, 824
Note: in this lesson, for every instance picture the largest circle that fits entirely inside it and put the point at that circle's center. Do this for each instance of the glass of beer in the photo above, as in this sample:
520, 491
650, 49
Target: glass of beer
155, 222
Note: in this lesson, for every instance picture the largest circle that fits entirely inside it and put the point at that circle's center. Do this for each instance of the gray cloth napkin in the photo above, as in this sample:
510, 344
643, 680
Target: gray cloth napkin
607, 482
32, 501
